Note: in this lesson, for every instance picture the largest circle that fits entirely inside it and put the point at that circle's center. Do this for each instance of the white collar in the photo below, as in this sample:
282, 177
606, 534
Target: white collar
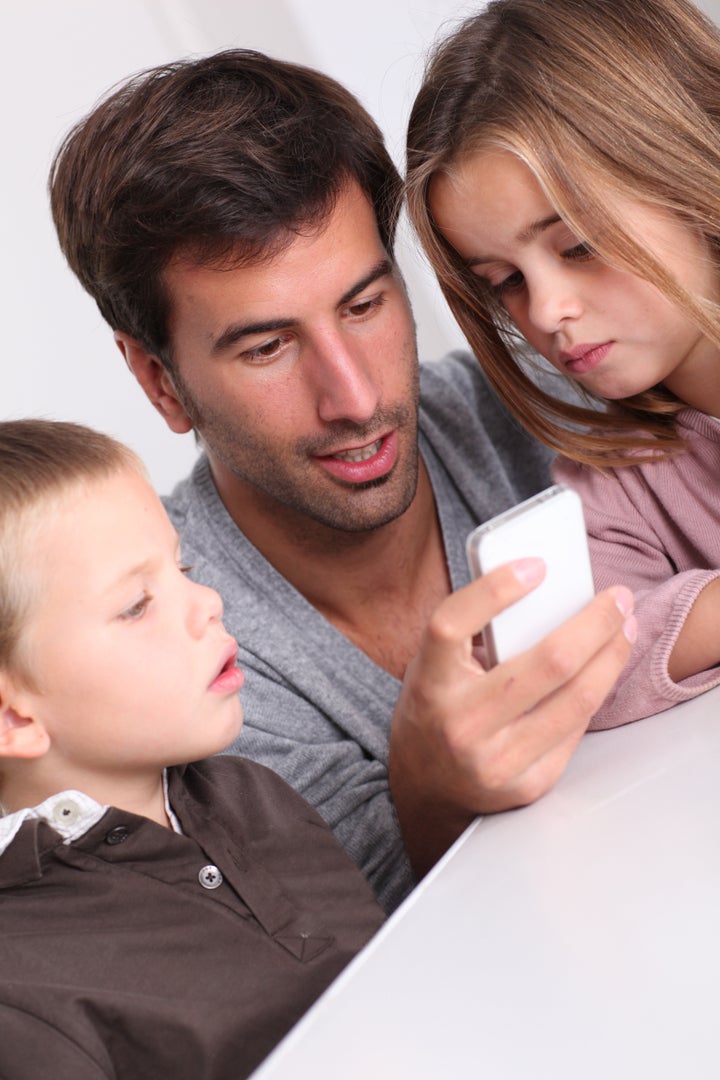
70, 813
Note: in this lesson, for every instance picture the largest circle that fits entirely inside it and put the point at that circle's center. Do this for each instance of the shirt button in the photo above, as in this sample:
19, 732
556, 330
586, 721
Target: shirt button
65, 812
118, 835
210, 877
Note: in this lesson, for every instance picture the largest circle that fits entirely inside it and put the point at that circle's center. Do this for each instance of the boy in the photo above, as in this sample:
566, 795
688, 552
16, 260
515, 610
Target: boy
159, 918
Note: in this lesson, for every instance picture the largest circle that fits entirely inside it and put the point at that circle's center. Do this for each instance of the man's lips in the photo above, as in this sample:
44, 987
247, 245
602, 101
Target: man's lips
361, 464
583, 358
229, 678
360, 453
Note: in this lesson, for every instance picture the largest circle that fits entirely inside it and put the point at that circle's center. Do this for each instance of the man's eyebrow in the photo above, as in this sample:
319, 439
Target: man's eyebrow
523, 237
381, 269
237, 331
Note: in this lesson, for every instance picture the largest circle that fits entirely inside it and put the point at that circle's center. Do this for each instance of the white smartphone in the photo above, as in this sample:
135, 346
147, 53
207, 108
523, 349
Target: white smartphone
550, 526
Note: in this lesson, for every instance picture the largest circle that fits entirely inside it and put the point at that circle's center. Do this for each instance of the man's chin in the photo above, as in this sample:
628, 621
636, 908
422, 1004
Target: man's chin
365, 515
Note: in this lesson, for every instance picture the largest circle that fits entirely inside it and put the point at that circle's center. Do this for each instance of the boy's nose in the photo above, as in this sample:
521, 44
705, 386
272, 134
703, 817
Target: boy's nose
206, 607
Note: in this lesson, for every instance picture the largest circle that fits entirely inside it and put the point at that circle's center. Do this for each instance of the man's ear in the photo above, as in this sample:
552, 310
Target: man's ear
155, 381
21, 735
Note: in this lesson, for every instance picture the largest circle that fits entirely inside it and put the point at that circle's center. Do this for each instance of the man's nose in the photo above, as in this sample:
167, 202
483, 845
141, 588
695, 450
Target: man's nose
345, 386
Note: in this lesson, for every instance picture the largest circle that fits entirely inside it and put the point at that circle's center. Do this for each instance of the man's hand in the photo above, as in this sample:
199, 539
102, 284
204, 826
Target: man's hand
465, 741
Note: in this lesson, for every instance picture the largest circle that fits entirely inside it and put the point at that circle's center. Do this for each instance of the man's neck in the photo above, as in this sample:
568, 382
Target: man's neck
377, 587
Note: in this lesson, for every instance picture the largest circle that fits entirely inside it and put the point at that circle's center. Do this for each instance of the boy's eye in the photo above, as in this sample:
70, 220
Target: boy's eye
138, 609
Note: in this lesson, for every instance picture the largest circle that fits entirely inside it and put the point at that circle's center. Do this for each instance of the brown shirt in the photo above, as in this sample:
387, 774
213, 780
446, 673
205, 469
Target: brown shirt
136, 952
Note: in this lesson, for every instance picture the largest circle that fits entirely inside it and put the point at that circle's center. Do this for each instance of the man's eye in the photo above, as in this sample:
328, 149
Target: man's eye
268, 350
365, 307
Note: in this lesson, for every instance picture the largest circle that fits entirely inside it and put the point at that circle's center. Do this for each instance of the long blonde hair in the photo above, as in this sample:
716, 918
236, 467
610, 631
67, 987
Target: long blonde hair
595, 97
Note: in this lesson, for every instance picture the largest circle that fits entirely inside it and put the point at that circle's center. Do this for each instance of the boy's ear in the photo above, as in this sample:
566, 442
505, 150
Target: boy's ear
21, 735
155, 381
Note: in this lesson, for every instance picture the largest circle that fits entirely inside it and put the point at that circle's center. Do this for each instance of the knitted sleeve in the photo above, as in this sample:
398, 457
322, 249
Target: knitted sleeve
624, 524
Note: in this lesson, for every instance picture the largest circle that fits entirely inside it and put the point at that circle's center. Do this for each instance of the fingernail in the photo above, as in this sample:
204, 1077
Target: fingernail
529, 571
624, 600
630, 629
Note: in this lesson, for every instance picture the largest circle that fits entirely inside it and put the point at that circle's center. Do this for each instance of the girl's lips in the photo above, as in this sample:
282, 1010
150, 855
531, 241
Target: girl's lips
583, 358
364, 469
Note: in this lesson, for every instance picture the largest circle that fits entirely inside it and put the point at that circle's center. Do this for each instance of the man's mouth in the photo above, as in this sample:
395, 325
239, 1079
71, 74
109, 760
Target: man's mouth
361, 453
362, 464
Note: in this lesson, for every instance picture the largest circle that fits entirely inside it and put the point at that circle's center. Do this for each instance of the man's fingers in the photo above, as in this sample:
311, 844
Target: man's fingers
524, 707
467, 611
554, 662
532, 750
485, 741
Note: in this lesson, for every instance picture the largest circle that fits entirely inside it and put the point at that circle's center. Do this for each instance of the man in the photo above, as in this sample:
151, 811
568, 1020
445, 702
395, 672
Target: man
233, 217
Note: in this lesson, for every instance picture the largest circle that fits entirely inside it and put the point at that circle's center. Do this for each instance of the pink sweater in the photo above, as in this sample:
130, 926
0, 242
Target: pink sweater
656, 529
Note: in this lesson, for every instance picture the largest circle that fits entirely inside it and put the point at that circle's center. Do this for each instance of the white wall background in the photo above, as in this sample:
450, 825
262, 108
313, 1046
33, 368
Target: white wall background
58, 358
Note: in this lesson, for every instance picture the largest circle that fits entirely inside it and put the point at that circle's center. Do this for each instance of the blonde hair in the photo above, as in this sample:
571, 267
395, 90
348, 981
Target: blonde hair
39, 461
595, 97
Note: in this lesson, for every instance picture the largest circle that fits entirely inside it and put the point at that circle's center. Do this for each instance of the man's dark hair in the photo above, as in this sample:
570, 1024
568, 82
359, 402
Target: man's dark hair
222, 160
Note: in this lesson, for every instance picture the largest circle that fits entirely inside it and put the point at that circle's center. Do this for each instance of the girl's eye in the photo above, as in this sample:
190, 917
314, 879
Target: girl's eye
185, 569
579, 252
138, 609
510, 284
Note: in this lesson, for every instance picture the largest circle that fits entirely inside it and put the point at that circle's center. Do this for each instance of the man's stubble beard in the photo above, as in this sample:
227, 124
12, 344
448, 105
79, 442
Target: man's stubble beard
335, 508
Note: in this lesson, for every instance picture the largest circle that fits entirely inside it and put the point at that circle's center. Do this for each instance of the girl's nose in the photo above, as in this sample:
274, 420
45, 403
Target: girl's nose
553, 299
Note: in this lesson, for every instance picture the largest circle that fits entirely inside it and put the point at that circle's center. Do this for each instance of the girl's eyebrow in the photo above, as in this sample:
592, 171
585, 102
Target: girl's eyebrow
523, 237
537, 227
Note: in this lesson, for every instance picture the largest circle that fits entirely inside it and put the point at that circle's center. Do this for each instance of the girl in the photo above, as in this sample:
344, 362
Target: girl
564, 178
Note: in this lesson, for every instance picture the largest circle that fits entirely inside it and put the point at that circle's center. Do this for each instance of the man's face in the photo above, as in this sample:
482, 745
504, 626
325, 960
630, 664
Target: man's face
300, 374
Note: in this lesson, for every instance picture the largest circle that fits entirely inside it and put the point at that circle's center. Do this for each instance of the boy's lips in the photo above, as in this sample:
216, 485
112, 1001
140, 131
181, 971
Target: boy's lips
361, 464
229, 678
583, 358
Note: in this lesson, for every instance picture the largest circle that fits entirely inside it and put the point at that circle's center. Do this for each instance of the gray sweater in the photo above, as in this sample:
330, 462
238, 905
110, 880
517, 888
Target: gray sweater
317, 709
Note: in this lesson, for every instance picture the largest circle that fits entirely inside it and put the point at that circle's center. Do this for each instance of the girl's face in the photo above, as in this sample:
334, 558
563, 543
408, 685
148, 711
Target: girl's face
613, 332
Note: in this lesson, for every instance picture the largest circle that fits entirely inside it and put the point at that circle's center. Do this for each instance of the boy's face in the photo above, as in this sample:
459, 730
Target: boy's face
134, 668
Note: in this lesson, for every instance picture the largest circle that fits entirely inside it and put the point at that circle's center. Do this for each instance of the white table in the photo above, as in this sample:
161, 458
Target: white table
578, 938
